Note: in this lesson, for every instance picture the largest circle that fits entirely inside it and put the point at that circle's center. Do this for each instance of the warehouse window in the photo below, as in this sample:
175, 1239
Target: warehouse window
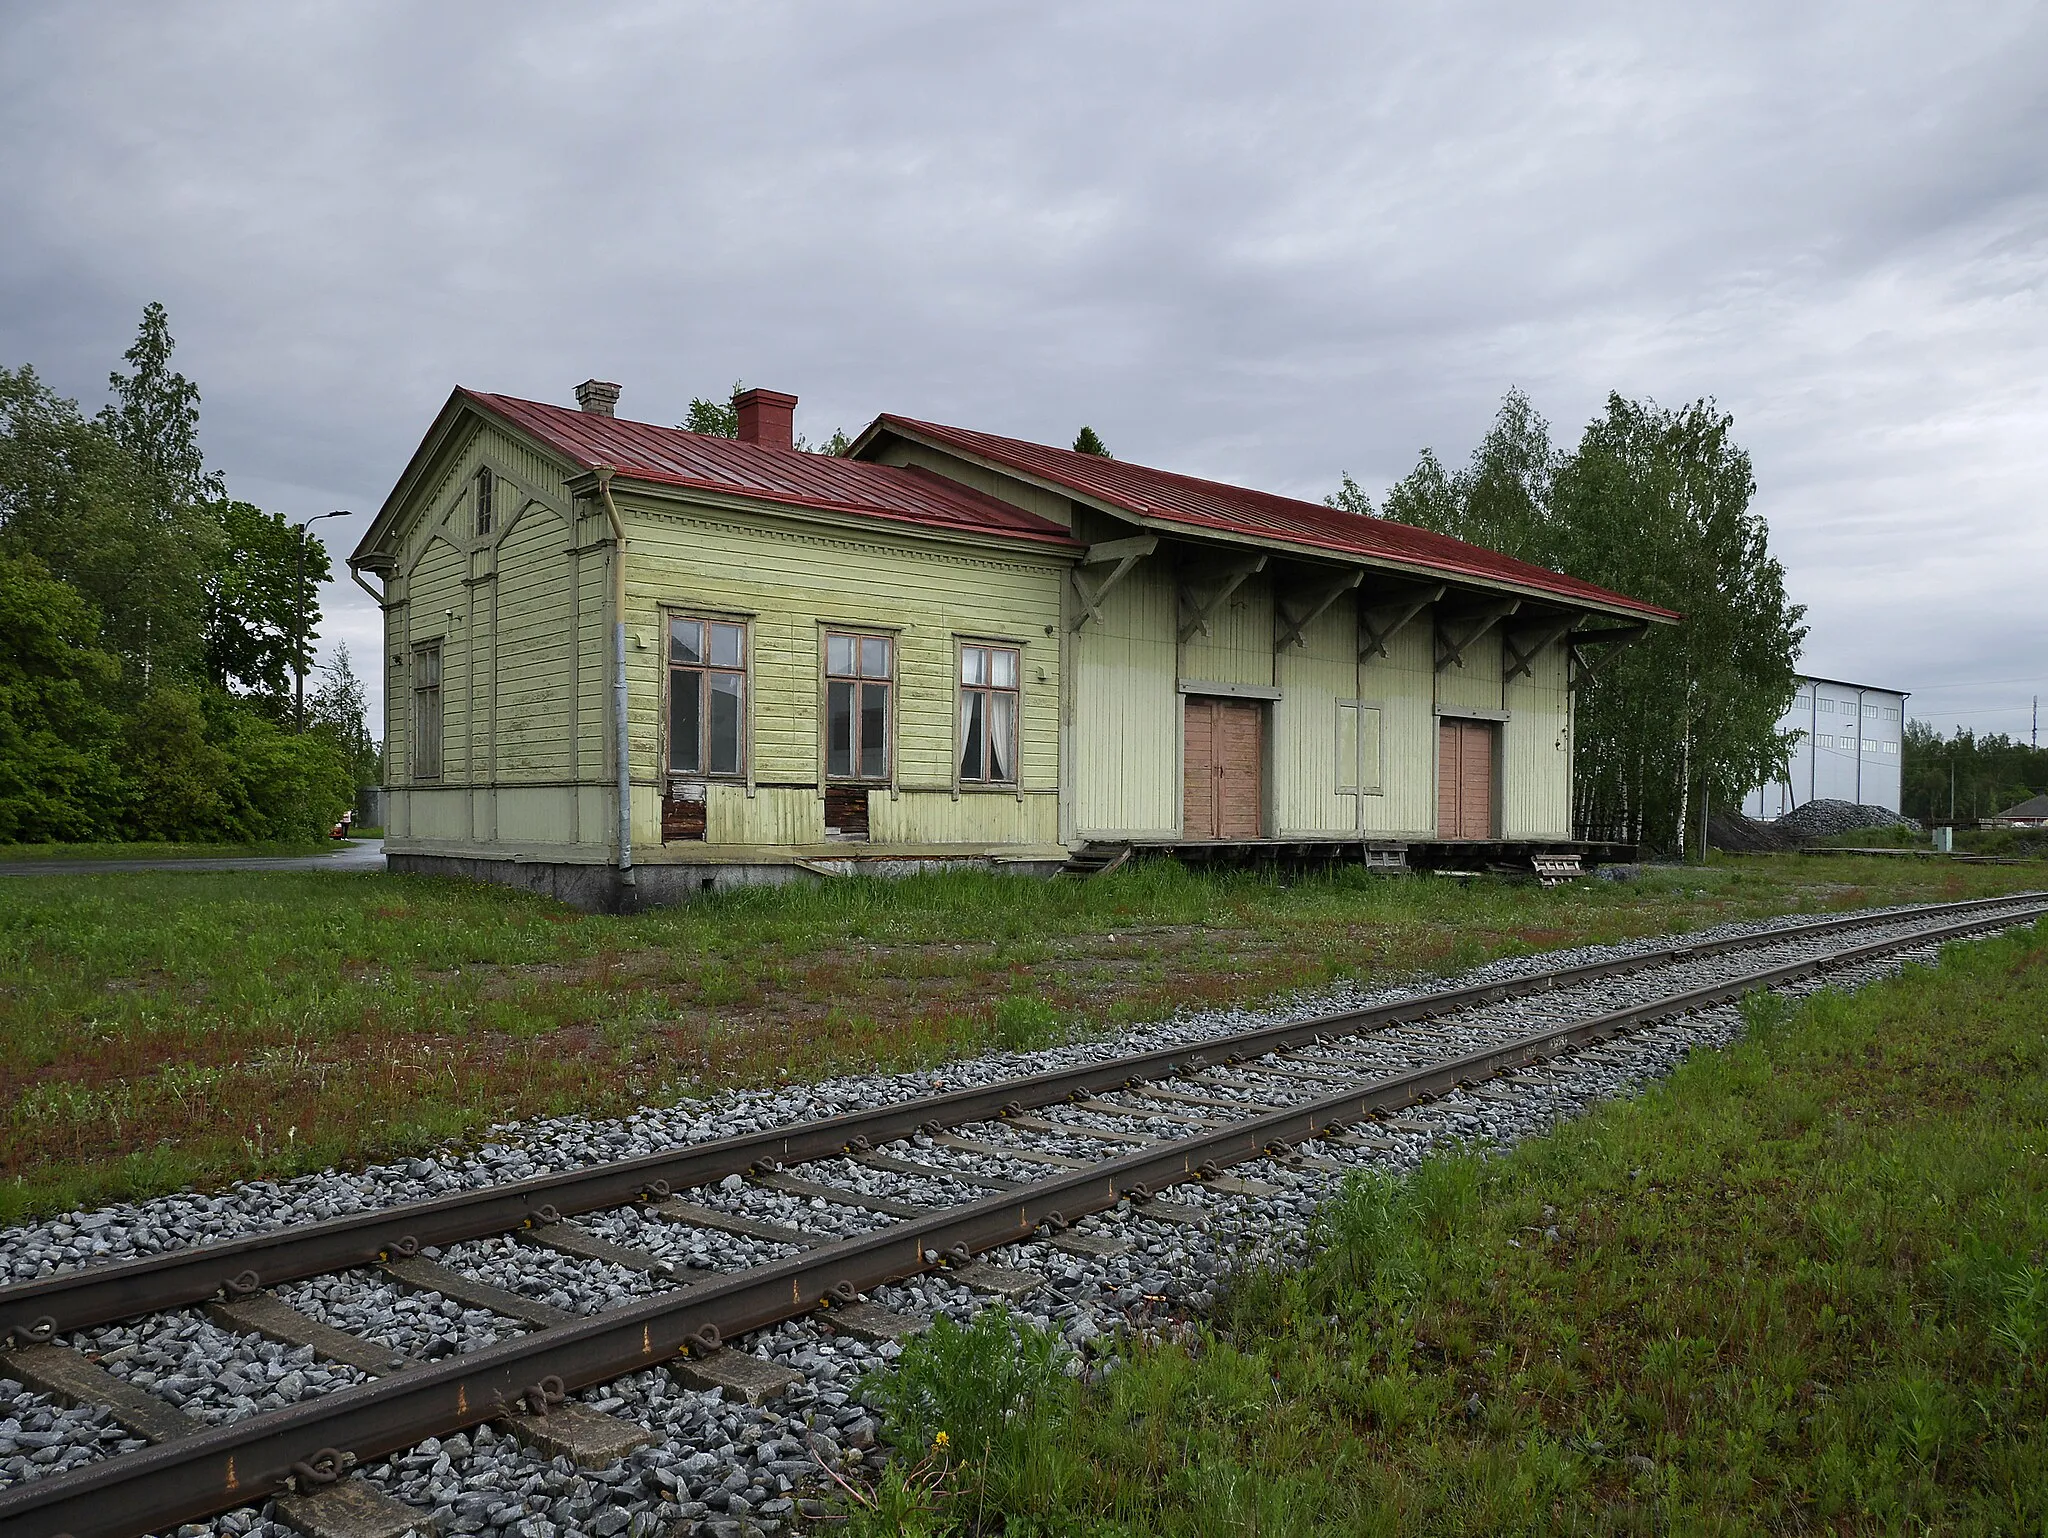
860, 671
426, 711
707, 696
988, 714
486, 495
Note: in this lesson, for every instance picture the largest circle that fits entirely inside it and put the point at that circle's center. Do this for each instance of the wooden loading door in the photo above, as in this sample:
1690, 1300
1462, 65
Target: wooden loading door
1223, 786
1464, 779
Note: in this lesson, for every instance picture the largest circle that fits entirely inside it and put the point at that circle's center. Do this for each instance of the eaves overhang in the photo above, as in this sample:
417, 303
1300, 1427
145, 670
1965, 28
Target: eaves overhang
1193, 528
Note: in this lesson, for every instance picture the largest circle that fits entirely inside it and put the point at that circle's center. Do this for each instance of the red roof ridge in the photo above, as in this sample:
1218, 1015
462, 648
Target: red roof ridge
650, 452
1193, 500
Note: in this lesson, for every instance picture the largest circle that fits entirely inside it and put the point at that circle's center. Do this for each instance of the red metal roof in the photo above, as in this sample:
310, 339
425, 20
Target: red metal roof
671, 456
1220, 508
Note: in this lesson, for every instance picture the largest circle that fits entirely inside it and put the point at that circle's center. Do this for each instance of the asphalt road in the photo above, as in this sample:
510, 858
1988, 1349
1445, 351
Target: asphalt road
365, 854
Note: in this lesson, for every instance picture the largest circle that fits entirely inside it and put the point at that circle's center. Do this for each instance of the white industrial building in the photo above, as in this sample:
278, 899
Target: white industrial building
1851, 747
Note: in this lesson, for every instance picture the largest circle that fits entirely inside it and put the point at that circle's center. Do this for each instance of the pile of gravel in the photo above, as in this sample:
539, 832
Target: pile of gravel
1824, 819
1737, 834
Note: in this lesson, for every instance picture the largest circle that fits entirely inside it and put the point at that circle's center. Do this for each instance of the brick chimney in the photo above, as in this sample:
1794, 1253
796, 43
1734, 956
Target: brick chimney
597, 397
767, 417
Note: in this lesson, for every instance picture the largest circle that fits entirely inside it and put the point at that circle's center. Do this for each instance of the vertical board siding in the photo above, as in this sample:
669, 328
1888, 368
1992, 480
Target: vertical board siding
1403, 684
1125, 749
534, 641
1238, 648
1312, 678
1536, 751
1476, 685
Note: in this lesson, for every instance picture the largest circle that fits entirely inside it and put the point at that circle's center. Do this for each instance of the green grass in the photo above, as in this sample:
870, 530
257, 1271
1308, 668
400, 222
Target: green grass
24, 853
168, 1028
1801, 1287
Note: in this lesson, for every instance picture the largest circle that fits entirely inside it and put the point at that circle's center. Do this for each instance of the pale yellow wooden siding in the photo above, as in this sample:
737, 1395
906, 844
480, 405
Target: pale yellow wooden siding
1124, 750
793, 584
1536, 752
437, 604
769, 816
1403, 684
1238, 647
976, 818
1476, 685
1312, 677
534, 665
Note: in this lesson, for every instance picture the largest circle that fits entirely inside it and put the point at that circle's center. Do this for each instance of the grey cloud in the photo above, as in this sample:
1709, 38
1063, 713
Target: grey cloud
1261, 242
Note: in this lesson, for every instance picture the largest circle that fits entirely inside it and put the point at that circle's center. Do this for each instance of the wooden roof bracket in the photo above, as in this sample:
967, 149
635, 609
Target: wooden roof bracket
1199, 610
1377, 626
1118, 554
1613, 635
1451, 649
1295, 623
1526, 644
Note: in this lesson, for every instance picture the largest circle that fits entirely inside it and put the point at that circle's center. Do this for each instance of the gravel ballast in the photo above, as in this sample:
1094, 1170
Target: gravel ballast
730, 1469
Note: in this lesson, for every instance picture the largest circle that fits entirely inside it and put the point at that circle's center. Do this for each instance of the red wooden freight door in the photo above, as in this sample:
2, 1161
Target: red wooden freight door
1223, 781
1464, 779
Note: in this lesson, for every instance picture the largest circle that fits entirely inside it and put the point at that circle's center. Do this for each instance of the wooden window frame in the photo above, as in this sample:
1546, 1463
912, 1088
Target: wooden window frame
486, 482
1378, 787
744, 672
421, 652
963, 782
827, 632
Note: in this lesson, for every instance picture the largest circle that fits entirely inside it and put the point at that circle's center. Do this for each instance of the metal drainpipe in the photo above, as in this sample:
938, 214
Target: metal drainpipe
627, 878
1859, 747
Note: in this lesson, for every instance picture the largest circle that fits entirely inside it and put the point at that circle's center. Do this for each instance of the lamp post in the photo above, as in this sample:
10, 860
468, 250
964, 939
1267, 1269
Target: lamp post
299, 637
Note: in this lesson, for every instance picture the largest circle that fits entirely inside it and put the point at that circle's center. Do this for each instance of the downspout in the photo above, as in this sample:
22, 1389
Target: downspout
627, 878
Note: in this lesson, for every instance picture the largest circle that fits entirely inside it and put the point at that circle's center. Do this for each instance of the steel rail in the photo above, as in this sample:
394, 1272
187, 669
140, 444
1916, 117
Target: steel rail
101, 1294
227, 1466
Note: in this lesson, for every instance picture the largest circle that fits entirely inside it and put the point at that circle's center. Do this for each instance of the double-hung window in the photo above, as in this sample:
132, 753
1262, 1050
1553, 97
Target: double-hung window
707, 696
860, 670
988, 715
426, 711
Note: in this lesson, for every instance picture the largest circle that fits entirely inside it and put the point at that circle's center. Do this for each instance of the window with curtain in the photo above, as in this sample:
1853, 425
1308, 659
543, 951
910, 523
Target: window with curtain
988, 715
426, 712
707, 696
860, 670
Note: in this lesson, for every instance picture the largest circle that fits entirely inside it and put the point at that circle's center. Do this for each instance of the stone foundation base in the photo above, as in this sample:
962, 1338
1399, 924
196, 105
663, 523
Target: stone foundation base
597, 888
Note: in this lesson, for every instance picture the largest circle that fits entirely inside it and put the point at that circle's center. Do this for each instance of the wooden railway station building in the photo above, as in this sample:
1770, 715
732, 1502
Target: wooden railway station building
942, 647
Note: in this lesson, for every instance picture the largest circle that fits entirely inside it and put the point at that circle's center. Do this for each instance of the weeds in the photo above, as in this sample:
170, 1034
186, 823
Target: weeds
1802, 1286
148, 1021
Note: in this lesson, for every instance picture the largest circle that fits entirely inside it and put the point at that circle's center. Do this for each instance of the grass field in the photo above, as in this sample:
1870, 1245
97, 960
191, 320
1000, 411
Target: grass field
1800, 1288
170, 1028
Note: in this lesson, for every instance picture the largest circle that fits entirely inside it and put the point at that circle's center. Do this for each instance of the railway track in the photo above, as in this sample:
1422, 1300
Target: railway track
718, 1239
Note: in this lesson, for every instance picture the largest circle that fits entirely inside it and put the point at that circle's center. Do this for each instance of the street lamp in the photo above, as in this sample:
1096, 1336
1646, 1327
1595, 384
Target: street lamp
299, 646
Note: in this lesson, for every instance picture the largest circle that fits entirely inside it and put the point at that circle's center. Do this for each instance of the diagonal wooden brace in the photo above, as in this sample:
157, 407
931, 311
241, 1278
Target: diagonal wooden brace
1299, 611
1471, 625
1120, 555
1199, 610
1526, 644
1380, 623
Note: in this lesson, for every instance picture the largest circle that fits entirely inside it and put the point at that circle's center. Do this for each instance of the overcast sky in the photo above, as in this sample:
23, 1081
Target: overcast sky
1267, 243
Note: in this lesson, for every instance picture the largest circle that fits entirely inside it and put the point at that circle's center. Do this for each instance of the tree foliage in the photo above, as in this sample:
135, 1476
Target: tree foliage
715, 419
150, 627
1654, 502
1988, 773
1088, 441
1351, 497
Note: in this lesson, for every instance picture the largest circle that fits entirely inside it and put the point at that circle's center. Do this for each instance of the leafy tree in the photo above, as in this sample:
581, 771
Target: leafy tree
58, 778
1988, 773
1351, 498
1089, 442
340, 709
1424, 497
714, 419
254, 598
155, 418
1653, 503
